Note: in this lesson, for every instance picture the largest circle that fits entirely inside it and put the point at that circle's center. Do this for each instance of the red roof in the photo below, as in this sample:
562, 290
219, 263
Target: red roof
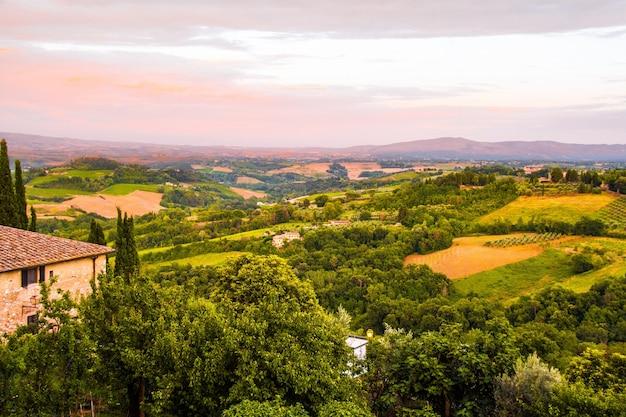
23, 249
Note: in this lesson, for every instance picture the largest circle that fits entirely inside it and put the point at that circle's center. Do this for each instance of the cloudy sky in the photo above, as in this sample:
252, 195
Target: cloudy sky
323, 72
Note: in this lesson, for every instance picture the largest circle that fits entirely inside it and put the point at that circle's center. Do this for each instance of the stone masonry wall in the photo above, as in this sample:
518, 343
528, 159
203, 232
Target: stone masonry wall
17, 303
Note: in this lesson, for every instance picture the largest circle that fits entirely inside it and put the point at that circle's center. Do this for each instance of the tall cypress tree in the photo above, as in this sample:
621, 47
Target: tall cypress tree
121, 260
20, 197
126, 257
133, 256
8, 215
96, 234
33, 220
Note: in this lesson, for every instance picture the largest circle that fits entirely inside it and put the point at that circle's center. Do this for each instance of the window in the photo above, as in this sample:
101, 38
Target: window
42, 273
51, 274
29, 276
32, 319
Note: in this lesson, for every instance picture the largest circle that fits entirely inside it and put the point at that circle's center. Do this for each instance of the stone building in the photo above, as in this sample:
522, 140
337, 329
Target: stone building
278, 241
28, 258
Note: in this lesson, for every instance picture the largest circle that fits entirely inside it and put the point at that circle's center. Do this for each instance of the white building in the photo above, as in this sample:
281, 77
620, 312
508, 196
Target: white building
278, 241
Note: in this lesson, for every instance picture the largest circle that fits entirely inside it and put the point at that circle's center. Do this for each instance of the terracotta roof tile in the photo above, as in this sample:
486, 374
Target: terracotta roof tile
22, 249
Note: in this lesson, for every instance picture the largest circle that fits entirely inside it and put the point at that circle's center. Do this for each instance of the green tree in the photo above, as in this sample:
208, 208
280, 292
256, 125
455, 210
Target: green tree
127, 262
32, 226
132, 324
321, 200
8, 214
46, 369
571, 175
452, 370
268, 308
556, 174
528, 391
264, 409
20, 197
96, 234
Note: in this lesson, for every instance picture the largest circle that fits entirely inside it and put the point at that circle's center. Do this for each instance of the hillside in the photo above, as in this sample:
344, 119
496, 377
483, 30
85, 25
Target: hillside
45, 150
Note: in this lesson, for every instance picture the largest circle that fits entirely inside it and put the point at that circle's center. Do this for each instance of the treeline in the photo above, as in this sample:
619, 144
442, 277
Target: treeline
13, 207
586, 226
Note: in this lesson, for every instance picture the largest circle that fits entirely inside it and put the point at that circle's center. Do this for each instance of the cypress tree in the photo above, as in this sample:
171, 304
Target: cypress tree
120, 246
8, 216
96, 234
20, 197
33, 220
133, 256
100, 239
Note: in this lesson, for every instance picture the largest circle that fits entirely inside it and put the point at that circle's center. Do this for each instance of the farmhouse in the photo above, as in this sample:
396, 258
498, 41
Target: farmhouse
28, 258
278, 241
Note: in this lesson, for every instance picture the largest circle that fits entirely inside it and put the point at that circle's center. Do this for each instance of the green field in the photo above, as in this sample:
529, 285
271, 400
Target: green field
205, 259
551, 267
123, 189
35, 193
559, 208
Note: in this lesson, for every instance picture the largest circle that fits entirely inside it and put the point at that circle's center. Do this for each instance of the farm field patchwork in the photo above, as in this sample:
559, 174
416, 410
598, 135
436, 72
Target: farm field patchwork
470, 255
520, 278
552, 267
136, 203
561, 208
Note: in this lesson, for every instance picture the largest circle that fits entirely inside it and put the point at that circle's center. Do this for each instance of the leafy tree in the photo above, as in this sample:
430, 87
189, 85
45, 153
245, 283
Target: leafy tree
556, 174
452, 370
571, 175
20, 197
46, 369
528, 391
8, 213
321, 200
131, 322
590, 227
599, 370
249, 408
268, 309
343, 409
96, 234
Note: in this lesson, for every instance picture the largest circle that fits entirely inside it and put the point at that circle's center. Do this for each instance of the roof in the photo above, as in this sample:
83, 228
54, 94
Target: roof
23, 249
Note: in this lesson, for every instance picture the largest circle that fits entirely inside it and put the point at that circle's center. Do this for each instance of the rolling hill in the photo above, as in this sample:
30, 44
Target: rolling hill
44, 150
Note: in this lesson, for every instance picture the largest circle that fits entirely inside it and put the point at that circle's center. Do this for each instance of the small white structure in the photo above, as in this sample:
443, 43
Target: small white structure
278, 241
358, 345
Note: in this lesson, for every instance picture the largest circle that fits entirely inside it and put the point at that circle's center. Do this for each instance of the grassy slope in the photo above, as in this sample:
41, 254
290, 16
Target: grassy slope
237, 236
200, 260
563, 208
520, 278
551, 267
123, 189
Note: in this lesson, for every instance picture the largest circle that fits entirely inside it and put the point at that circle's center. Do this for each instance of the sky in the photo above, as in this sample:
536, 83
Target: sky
314, 73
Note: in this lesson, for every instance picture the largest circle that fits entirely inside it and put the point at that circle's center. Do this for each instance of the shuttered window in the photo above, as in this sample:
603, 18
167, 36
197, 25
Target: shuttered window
29, 276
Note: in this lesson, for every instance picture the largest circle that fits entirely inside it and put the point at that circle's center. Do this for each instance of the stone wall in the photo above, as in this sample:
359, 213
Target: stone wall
17, 303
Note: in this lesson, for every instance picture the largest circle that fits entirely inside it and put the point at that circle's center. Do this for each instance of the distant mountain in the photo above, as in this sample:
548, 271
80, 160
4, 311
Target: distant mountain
44, 150
460, 148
